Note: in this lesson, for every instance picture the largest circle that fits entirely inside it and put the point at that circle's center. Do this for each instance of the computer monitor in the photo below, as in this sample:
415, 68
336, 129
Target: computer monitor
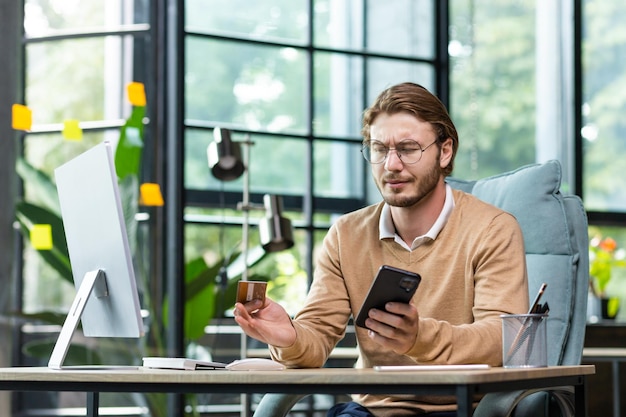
106, 300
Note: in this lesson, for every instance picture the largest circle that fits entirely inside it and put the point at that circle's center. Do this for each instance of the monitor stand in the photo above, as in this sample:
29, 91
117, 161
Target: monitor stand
94, 281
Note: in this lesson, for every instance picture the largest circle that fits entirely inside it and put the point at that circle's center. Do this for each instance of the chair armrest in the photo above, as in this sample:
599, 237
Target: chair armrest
276, 405
525, 403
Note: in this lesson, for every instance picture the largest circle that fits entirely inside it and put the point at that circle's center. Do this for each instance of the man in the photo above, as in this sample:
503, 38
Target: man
470, 256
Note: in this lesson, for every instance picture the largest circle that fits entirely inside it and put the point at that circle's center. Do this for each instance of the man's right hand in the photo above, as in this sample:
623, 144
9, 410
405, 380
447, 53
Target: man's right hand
268, 322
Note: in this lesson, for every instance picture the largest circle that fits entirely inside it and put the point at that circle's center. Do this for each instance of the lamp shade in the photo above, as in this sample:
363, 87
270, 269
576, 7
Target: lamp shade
275, 231
224, 156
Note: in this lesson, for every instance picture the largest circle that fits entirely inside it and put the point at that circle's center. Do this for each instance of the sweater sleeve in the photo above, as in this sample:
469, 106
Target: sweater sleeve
322, 322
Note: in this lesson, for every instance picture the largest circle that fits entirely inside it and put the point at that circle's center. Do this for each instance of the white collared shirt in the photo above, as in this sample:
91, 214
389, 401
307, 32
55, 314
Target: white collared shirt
387, 230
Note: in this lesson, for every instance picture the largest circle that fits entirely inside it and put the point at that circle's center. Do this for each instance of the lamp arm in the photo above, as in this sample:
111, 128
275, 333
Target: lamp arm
245, 228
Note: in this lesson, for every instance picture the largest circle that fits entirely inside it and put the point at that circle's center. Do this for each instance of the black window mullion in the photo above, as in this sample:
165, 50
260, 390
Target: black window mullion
441, 39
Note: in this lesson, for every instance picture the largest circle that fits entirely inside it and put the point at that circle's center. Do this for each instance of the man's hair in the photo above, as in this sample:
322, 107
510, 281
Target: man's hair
414, 99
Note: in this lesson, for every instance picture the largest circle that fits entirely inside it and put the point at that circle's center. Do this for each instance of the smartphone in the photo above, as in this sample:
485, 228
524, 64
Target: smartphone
390, 284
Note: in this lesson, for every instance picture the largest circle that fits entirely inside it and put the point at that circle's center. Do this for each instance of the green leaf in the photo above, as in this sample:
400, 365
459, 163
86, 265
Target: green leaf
612, 307
199, 298
39, 184
49, 317
198, 276
129, 195
101, 351
58, 257
130, 145
199, 311
77, 354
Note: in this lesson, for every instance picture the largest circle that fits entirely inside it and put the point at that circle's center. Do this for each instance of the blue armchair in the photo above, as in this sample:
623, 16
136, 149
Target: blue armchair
556, 241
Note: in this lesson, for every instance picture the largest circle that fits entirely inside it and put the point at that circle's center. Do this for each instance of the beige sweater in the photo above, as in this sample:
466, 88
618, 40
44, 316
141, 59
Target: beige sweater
472, 272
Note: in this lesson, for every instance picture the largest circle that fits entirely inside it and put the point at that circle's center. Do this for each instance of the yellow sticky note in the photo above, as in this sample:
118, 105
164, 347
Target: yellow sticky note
150, 194
22, 117
41, 236
136, 94
72, 130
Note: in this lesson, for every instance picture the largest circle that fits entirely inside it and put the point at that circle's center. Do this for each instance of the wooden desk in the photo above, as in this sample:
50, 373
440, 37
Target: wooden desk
463, 384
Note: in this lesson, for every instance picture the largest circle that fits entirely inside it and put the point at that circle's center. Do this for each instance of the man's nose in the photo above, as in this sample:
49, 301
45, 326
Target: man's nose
393, 162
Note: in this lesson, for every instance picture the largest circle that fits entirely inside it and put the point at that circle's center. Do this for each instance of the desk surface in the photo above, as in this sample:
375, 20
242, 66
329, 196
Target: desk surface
464, 384
327, 376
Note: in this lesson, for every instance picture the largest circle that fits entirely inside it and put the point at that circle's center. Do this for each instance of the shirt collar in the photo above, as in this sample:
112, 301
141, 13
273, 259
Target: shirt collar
387, 229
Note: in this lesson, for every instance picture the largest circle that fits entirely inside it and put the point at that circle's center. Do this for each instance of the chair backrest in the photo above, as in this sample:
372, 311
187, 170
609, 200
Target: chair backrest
556, 241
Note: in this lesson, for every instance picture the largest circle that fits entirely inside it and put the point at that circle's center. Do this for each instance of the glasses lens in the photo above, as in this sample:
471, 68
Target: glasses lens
367, 154
409, 151
375, 152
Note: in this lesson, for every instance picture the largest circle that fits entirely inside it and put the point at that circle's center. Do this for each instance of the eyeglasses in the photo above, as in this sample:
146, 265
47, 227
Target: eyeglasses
409, 151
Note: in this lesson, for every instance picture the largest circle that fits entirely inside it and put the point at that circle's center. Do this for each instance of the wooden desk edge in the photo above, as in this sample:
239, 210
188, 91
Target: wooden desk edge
323, 375
604, 353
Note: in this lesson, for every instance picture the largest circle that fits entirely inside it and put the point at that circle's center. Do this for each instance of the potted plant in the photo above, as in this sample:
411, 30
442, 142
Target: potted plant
606, 262
200, 278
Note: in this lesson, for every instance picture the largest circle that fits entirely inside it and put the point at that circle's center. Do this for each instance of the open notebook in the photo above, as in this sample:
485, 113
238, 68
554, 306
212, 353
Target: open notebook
180, 363
245, 364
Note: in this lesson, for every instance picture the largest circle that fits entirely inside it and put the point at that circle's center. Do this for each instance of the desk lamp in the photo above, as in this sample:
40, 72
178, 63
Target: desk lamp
275, 231
224, 158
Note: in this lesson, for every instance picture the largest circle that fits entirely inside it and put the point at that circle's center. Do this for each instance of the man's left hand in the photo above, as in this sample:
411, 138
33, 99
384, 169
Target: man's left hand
396, 328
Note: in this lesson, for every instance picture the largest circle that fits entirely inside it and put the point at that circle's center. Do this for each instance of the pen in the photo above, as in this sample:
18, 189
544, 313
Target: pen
535, 305
522, 333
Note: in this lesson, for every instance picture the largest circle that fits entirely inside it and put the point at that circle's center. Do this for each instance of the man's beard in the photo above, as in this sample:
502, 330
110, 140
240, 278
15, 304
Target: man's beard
424, 186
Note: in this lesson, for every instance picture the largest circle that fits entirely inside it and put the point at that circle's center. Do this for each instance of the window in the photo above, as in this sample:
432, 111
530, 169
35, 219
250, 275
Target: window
604, 100
602, 138
79, 57
290, 76
512, 88
515, 88
78, 62
293, 77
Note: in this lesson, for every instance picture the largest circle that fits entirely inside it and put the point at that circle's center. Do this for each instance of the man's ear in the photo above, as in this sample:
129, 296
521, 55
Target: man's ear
445, 153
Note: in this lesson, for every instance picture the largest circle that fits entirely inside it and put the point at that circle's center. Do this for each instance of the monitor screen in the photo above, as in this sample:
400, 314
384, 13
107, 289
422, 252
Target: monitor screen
106, 302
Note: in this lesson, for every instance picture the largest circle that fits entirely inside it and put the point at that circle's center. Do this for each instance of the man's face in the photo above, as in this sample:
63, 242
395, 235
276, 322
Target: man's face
402, 184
